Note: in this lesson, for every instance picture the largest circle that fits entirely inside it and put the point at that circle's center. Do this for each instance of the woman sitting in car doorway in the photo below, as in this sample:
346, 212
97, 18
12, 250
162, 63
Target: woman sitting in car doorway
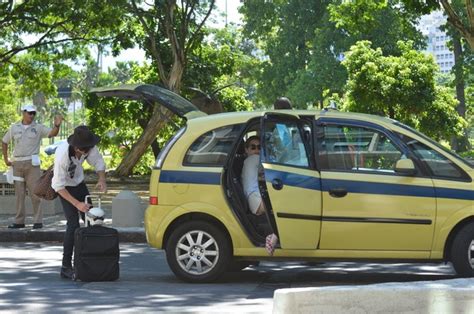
250, 185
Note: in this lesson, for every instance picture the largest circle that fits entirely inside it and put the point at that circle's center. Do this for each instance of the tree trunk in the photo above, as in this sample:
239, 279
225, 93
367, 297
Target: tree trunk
459, 143
155, 147
157, 121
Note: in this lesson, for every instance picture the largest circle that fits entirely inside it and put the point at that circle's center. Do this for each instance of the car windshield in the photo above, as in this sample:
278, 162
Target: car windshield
451, 153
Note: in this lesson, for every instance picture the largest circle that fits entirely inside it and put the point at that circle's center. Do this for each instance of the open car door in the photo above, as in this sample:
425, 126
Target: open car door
292, 189
152, 94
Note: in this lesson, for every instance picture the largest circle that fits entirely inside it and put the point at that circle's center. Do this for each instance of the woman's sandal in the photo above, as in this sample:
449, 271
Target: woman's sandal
270, 242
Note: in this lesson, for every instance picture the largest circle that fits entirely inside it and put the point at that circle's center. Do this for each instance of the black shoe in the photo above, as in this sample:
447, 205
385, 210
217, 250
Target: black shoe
37, 225
16, 226
67, 272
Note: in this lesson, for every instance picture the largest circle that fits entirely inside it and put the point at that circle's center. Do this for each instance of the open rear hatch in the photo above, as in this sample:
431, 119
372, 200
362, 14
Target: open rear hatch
152, 94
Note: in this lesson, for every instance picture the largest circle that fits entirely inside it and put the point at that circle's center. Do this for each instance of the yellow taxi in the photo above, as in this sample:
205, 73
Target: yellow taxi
338, 186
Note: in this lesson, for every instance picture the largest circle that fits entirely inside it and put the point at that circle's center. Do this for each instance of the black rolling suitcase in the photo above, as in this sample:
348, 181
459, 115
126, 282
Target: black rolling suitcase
96, 254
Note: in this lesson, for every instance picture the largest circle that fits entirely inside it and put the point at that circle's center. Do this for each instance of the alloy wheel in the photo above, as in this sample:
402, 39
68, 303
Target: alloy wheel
197, 252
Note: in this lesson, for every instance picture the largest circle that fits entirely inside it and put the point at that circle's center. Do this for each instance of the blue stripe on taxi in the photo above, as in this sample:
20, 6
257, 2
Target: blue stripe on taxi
313, 183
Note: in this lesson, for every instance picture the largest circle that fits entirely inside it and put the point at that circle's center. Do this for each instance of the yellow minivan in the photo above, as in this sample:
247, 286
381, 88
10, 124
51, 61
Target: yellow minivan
338, 186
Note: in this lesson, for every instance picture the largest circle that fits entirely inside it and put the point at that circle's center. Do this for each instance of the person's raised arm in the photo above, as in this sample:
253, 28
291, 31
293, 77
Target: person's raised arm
58, 119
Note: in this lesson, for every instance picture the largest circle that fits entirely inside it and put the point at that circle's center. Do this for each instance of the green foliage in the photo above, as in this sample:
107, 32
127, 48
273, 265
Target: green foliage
54, 27
211, 65
304, 42
116, 121
234, 99
402, 88
223, 58
441, 120
301, 49
9, 103
459, 13
383, 22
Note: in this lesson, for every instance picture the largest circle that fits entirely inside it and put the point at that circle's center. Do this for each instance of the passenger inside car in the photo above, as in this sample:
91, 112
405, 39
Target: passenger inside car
250, 185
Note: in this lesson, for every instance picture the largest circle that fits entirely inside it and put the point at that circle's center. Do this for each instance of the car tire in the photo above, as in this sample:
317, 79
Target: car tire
462, 251
198, 252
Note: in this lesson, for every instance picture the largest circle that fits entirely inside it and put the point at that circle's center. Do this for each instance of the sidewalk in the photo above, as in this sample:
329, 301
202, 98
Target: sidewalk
54, 226
53, 231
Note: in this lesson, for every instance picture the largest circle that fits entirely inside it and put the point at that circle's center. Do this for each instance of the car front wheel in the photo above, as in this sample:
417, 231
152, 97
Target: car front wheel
198, 251
462, 251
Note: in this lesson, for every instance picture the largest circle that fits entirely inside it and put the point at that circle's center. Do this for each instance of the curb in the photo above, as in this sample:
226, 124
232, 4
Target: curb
133, 236
441, 296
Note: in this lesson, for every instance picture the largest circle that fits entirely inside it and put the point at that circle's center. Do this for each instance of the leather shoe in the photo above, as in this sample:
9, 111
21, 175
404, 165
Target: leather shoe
67, 272
37, 225
16, 226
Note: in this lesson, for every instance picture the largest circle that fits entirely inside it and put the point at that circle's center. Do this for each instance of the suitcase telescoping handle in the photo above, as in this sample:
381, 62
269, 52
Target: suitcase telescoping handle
90, 197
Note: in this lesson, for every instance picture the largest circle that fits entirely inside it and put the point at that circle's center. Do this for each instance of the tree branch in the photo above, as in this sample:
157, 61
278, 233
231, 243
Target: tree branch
154, 49
453, 18
198, 29
169, 26
470, 16
184, 23
13, 12
6, 56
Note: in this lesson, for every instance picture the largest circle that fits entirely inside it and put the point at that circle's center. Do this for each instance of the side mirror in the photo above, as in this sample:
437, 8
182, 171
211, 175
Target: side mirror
405, 167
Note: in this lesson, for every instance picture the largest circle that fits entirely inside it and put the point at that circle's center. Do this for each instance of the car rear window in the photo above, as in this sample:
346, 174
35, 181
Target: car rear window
213, 147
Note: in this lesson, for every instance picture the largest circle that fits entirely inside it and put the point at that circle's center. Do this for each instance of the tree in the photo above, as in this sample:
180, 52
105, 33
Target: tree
460, 14
8, 106
402, 88
53, 26
168, 32
383, 23
304, 42
38, 36
288, 33
460, 143
213, 74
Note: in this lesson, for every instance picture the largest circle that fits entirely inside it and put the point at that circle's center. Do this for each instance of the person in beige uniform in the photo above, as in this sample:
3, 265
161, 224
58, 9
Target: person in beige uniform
26, 136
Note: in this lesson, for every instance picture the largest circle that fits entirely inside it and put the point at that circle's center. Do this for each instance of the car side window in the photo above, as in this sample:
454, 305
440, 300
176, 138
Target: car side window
212, 148
353, 148
284, 144
439, 165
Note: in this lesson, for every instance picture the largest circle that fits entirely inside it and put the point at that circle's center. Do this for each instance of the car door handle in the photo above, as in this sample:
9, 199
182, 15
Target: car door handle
338, 192
277, 184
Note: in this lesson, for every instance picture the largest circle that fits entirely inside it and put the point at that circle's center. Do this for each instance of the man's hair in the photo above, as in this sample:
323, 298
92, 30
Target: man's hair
250, 139
282, 103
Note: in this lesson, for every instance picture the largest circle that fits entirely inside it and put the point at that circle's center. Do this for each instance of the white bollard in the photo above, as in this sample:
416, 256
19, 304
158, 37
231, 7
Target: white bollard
127, 210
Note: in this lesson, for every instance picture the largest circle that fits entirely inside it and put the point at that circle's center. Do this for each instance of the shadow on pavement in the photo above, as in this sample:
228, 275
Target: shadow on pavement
29, 280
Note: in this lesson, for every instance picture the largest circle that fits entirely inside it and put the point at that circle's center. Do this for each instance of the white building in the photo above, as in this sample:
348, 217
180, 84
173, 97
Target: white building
437, 40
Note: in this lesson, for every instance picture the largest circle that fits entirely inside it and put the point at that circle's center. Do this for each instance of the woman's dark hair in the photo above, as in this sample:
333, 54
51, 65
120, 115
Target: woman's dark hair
253, 137
282, 103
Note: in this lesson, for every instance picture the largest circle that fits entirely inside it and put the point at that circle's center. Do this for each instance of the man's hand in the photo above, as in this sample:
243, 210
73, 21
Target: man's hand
101, 185
8, 162
83, 207
58, 119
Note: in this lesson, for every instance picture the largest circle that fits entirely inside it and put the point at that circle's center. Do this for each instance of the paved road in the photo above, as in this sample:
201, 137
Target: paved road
29, 281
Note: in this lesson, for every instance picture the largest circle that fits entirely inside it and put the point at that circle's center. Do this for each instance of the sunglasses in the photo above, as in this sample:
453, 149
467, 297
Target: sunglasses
253, 146
31, 113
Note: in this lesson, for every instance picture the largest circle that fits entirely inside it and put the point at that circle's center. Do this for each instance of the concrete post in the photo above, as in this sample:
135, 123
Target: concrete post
127, 210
